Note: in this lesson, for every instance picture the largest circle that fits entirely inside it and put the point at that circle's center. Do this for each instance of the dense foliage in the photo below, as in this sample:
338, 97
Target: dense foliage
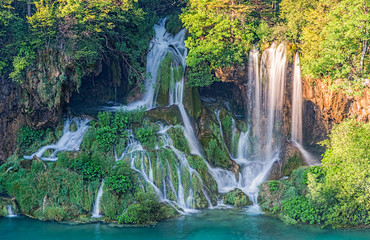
333, 38
220, 34
336, 193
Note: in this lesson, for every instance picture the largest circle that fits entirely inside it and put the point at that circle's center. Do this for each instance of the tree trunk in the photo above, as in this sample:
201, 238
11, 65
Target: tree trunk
364, 50
29, 8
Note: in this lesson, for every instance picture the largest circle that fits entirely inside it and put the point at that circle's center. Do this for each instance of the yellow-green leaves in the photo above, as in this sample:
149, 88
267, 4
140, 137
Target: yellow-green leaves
220, 36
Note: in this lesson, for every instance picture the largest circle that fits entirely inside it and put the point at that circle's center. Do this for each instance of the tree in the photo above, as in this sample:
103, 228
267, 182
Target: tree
220, 36
333, 38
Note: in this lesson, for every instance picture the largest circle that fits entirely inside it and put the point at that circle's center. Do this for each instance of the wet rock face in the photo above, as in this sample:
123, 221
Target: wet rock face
315, 127
336, 105
18, 108
10, 117
324, 107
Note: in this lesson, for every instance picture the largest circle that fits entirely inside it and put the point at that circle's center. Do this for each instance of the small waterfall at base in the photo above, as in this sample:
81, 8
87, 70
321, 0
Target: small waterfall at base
10, 211
297, 108
70, 140
96, 211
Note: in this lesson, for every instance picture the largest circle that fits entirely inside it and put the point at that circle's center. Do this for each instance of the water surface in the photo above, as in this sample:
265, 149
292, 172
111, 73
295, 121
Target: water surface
208, 224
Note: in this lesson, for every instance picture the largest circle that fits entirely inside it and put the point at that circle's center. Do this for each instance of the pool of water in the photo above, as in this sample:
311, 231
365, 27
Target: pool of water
208, 224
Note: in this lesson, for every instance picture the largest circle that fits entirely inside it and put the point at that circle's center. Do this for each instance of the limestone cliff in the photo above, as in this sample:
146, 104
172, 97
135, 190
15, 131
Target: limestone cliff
324, 107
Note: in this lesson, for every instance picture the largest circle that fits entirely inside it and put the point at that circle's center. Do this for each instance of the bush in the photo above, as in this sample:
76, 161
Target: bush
89, 167
216, 154
145, 211
300, 208
28, 136
121, 179
273, 185
146, 135
47, 191
106, 137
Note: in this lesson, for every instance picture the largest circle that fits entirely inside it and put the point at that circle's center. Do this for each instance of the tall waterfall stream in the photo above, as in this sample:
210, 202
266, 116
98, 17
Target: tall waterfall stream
255, 150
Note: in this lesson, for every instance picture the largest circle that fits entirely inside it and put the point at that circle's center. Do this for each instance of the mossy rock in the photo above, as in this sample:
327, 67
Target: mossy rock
170, 71
170, 115
237, 198
179, 140
73, 127
290, 160
174, 24
192, 102
293, 163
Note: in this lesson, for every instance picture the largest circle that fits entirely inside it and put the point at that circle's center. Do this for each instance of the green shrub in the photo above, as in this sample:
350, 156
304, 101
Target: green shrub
226, 122
45, 189
145, 211
300, 208
120, 180
273, 185
29, 135
106, 137
89, 167
146, 135
216, 154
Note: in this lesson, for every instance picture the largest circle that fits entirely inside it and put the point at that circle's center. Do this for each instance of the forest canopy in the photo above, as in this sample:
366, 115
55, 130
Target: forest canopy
331, 35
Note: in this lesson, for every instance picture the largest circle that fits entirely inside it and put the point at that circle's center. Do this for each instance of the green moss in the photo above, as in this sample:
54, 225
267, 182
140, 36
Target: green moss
237, 198
164, 79
179, 141
192, 102
170, 115
173, 24
294, 162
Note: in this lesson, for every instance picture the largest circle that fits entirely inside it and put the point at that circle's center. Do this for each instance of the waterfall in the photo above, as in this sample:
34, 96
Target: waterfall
160, 174
162, 43
297, 103
70, 140
265, 101
10, 211
96, 211
297, 108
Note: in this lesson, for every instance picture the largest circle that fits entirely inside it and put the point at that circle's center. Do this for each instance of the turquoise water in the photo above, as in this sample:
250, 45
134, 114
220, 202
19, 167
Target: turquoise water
208, 224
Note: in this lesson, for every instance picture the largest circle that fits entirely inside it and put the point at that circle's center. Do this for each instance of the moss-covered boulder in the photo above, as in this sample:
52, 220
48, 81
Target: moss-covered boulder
290, 160
170, 115
237, 198
178, 138
192, 102
170, 71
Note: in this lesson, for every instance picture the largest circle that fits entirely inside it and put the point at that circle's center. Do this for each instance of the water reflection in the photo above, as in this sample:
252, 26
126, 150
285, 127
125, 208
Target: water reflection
209, 224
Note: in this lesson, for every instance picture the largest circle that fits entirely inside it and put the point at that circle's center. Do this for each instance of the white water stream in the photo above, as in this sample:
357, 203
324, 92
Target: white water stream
10, 211
70, 140
297, 108
96, 210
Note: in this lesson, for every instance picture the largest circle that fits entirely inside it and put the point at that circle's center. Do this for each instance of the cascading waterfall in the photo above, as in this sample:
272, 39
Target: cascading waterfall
96, 210
297, 108
297, 103
265, 105
70, 140
10, 211
162, 43
161, 174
